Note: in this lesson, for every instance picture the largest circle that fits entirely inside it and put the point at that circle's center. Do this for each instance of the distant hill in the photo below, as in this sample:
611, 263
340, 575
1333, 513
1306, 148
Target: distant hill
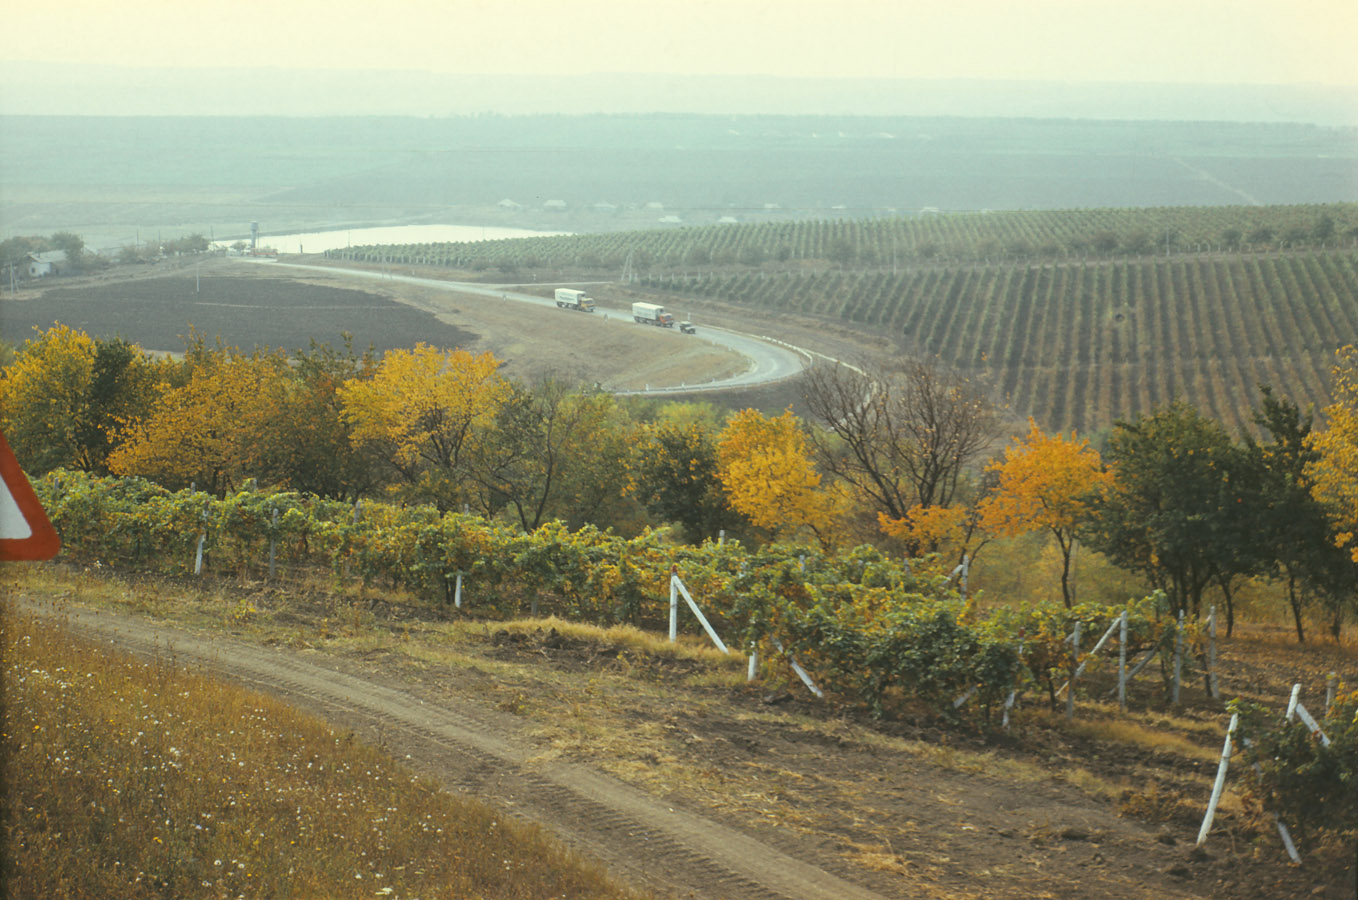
65, 89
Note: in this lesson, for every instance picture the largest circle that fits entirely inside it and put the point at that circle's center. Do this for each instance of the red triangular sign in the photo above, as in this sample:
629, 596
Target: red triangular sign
25, 532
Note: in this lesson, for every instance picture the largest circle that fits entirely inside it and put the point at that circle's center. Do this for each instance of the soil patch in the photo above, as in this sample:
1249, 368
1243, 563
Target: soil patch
159, 312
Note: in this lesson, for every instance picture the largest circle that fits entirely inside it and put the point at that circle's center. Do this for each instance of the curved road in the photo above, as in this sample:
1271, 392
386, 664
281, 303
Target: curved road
770, 360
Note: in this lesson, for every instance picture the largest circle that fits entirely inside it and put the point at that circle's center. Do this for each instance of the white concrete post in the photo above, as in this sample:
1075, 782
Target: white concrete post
202, 539
674, 608
1220, 783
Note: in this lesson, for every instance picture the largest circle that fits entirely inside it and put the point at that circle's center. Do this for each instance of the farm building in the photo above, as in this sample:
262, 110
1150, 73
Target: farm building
42, 264
506, 203
554, 204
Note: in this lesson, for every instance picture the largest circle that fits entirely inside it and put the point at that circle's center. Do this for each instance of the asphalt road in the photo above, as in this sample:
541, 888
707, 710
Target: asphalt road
770, 360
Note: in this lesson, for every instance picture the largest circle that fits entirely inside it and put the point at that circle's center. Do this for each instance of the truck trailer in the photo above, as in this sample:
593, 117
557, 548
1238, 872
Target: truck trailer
652, 314
567, 298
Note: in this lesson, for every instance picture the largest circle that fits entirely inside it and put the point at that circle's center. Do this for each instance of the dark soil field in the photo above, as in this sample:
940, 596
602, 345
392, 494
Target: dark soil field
159, 313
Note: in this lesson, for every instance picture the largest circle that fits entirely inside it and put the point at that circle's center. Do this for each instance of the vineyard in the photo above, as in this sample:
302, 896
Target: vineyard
1000, 236
1077, 318
866, 626
1077, 346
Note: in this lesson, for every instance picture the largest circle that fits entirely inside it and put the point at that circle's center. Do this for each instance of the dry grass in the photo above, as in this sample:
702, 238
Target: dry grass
131, 779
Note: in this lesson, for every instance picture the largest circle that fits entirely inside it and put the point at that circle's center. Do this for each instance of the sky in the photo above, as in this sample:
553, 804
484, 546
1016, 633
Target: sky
1144, 41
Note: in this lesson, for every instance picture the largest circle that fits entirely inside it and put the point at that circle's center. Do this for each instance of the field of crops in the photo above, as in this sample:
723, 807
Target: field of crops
1001, 236
1079, 345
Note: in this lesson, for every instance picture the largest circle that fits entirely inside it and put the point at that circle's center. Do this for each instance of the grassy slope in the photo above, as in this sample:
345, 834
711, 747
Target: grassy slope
681, 722
132, 778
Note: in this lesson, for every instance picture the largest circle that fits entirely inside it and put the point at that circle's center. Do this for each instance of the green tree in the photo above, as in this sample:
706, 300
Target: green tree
73, 245
1169, 503
308, 445
1289, 533
551, 452
673, 471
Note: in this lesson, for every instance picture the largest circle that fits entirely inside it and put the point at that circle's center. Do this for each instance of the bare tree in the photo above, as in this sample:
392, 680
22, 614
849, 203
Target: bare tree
901, 435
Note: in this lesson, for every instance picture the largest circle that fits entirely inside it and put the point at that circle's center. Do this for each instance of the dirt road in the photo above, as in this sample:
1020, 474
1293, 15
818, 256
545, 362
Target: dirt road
641, 839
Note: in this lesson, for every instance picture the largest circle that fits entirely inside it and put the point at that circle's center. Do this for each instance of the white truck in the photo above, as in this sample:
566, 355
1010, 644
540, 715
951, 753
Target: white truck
652, 314
567, 298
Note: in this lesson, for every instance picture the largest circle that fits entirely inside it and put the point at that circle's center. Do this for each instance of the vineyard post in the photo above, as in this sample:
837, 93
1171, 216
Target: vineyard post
1294, 708
677, 584
202, 539
1178, 658
1122, 661
273, 542
801, 673
457, 592
1282, 829
1075, 656
1219, 783
1329, 692
752, 667
674, 604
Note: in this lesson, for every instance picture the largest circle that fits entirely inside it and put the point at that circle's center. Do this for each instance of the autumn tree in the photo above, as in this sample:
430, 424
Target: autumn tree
64, 399
769, 477
1333, 472
1045, 483
901, 437
421, 410
207, 431
1335, 469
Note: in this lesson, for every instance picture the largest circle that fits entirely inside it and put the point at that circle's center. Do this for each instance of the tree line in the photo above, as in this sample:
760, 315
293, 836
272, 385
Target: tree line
910, 456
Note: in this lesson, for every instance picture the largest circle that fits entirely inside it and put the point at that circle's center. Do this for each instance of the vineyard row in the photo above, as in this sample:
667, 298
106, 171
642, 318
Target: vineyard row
864, 625
1080, 345
1022, 235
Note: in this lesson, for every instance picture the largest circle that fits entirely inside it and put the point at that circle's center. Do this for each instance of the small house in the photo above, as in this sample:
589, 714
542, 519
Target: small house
40, 265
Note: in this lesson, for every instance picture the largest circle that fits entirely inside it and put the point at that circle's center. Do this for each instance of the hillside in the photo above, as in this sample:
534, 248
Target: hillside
1078, 318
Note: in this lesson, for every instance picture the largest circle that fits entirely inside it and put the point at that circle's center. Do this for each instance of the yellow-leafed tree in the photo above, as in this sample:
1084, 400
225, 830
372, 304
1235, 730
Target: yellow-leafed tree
65, 396
207, 432
421, 412
1045, 482
766, 470
1335, 473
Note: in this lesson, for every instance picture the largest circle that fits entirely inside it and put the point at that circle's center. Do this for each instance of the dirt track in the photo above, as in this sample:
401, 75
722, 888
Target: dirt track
779, 810
643, 840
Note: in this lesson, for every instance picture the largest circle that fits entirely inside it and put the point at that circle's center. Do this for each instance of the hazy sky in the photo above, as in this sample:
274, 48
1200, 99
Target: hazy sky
1180, 41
